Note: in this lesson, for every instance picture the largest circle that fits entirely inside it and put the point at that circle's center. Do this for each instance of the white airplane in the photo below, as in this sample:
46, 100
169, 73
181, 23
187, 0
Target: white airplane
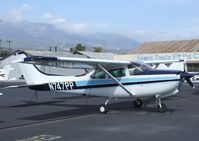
108, 78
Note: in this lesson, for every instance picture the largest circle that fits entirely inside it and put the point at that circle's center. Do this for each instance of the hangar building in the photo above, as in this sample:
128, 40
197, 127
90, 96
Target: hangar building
167, 50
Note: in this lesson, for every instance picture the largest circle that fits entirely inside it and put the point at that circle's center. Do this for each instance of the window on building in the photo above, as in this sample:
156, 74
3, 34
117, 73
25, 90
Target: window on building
193, 67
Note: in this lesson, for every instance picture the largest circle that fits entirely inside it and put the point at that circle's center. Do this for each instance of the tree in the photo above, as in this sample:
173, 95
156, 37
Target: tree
72, 50
80, 47
4, 53
97, 49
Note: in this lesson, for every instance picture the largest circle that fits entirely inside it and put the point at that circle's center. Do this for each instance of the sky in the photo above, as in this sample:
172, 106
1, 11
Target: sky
142, 20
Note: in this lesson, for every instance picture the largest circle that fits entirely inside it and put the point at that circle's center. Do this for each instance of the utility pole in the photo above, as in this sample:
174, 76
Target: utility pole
55, 48
9, 42
0, 43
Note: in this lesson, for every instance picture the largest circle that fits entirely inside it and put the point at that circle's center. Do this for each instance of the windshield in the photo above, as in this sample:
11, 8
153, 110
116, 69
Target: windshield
141, 65
137, 68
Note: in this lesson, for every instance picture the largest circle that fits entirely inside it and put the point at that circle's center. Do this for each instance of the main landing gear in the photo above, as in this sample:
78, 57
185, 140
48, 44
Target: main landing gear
138, 103
104, 108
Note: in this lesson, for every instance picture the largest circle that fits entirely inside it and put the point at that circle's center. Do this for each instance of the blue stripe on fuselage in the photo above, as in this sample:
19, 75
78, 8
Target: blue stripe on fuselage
92, 82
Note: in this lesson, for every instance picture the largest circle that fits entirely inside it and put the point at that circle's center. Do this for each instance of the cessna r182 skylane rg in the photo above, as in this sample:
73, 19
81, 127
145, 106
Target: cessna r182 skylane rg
107, 78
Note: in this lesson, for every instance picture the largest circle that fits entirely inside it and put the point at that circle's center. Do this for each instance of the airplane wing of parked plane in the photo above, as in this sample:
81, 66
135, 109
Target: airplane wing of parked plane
66, 62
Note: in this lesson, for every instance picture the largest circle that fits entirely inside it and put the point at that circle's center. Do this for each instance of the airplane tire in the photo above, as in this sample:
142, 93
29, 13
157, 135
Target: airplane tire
103, 109
162, 108
138, 103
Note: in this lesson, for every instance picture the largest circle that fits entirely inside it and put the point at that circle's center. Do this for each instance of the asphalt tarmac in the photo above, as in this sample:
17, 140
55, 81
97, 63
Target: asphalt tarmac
60, 117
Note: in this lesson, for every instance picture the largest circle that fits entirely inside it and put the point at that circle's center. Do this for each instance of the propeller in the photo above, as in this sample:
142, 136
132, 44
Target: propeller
187, 76
190, 82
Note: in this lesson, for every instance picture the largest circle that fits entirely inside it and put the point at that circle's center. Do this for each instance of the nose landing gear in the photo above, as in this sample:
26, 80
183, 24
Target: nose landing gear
162, 108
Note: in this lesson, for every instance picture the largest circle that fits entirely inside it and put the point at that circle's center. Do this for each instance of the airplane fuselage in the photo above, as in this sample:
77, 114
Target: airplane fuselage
142, 85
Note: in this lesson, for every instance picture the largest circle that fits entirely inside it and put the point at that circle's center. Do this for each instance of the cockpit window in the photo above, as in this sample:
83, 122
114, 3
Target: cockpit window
120, 72
99, 74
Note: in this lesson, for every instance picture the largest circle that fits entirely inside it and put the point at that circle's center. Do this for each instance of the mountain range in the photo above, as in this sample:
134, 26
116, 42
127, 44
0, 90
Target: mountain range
28, 35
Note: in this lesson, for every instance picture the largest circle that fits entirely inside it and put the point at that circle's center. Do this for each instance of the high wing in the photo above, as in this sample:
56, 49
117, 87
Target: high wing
65, 62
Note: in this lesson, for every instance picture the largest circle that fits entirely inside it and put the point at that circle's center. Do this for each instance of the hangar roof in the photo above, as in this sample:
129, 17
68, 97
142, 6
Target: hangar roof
101, 55
167, 47
51, 53
78, 54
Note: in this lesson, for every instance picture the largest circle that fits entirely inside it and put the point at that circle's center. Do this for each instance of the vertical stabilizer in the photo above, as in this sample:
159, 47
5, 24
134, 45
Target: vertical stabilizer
32, 74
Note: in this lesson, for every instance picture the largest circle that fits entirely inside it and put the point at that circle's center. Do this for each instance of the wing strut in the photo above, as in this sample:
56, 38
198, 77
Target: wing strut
120, 84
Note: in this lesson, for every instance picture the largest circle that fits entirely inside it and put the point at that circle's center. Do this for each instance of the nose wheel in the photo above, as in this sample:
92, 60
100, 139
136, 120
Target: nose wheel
162, 108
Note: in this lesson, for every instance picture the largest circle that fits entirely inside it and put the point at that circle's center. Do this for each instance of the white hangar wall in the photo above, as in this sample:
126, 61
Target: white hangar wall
191, 58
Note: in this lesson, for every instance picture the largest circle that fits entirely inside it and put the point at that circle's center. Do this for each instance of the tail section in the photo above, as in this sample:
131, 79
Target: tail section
32, 74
